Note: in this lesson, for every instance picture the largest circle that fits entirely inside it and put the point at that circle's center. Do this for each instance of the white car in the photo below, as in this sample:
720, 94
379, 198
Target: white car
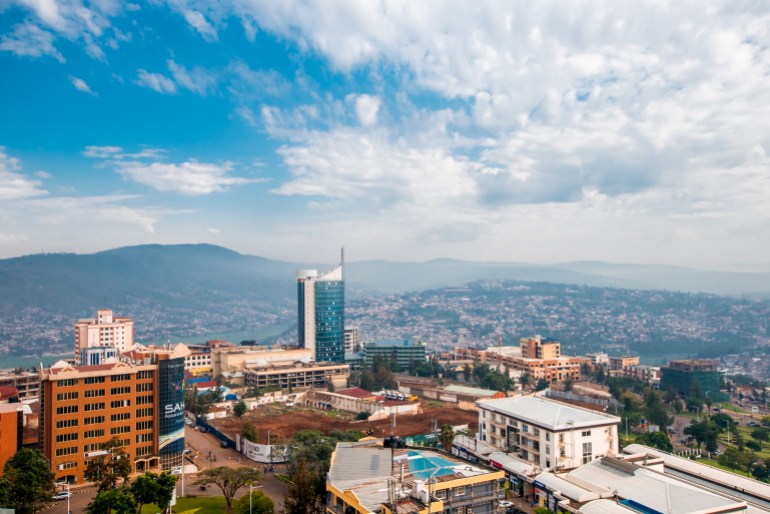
61, 495
505, 504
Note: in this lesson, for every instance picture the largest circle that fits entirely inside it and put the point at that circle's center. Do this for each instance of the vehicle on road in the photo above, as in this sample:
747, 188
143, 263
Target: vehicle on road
505, 504
61, 495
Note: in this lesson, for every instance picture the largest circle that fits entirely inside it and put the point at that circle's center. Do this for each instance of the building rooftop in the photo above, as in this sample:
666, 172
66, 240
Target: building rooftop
402, 343
548, 413
645, 490
470, 391
355, 392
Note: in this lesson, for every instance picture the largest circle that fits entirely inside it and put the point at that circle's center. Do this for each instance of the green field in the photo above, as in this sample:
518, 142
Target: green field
197, 505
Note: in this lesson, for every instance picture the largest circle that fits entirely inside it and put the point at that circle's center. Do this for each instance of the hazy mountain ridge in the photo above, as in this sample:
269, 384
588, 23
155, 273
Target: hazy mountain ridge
182, 290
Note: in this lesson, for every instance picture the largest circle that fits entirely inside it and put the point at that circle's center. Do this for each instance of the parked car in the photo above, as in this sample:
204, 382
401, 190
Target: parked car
61, 495
505, 504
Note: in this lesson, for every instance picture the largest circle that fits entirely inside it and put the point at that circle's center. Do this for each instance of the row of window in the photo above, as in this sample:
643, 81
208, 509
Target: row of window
67, 437
67, 423
69, 395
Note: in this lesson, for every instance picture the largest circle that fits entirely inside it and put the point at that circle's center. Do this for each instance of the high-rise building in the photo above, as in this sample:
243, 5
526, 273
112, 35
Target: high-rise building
321, 313
104, 330
403, 354
138, 399
352, 340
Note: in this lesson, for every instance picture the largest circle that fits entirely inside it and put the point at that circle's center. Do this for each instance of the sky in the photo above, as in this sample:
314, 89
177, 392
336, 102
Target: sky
404, 130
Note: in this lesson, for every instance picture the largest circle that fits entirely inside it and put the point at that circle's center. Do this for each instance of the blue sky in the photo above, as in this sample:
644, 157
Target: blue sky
506, 131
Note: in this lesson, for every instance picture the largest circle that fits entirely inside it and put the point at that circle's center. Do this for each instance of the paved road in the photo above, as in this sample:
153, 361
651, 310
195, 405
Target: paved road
202, 444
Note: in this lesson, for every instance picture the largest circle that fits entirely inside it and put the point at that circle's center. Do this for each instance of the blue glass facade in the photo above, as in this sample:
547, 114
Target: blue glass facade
171, 396
301, 313
330, 320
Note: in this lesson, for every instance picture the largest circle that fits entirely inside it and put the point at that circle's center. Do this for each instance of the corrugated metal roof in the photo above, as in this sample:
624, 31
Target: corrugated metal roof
548, 413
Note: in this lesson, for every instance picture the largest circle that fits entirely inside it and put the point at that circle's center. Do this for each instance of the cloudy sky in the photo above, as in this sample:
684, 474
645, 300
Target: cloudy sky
405, 130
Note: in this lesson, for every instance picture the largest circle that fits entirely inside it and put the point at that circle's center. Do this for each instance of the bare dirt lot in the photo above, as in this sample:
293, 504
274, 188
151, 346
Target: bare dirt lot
282, 421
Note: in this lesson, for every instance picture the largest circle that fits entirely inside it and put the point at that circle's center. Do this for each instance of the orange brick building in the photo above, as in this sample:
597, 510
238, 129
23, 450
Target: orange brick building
83, 407
10, 431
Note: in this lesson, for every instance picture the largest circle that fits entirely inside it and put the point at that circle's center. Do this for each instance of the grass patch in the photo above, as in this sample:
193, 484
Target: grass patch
716, 464
197, 505
734, 408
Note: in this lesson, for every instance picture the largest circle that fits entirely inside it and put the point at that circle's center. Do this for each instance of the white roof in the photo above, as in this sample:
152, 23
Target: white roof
651, 489
568, 489
703, 471
605, 507
511, 463
548, 413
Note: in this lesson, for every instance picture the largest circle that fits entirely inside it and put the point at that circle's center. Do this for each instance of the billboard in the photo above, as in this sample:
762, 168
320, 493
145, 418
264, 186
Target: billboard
171, 415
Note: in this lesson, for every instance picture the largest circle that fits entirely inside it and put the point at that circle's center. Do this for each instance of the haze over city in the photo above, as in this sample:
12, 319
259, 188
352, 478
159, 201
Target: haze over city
537, 132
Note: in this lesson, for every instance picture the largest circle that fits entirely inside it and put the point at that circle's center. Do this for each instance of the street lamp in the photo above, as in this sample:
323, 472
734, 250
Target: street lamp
251, 490
727, 424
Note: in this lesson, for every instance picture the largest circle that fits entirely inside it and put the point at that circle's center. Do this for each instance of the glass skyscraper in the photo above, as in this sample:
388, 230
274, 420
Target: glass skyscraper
321, 313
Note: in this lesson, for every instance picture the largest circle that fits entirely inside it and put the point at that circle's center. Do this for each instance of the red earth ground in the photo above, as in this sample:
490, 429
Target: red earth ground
281, 421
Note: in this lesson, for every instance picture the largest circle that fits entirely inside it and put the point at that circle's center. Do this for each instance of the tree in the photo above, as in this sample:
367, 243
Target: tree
105, 470
524, 380
568, 384
709, 402
260, 504
657, 440
303, 496
27, 480
466, 373
754, 445
760, 434
447, 436
541, 384
152, 488
759, 470
229, 480
112, 501
239, 409
249, 431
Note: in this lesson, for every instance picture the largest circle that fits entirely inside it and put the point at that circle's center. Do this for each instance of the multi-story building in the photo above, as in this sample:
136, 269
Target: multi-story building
139, 400
321, 313
26, 382
693, 377
104, 330
550, 434
230, 362
298, 375
366, 478
553, 367
94, 355
352, 340
405, 353
618, 363
598, 358
647, 374
11, 427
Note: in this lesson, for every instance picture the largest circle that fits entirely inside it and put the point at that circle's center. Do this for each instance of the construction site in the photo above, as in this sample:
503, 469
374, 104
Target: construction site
281, 421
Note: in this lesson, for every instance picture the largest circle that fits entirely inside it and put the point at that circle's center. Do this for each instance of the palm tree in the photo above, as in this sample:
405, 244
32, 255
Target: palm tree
446, 436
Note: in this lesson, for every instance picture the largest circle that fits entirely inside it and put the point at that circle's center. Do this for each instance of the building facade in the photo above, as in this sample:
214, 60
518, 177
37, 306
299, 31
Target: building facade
403, 352
137, 400
26, 382
693, 377
298, 376
550, 434
352, 340
321, 313
105, 329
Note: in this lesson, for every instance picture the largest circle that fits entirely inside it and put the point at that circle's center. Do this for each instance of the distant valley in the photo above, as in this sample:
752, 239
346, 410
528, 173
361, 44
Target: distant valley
184, 292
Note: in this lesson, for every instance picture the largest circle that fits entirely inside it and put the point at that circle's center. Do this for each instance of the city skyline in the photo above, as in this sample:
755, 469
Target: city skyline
535, 132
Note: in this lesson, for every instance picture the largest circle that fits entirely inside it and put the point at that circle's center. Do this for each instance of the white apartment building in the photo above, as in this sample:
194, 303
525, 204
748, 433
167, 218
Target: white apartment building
547, 433
104, 330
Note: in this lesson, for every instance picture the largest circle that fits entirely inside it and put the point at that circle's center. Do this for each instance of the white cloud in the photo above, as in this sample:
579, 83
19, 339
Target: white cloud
198, 79
81, 85
190, 178
155, 81
367, 108
28, 40
13, 184
199, 22
102, 152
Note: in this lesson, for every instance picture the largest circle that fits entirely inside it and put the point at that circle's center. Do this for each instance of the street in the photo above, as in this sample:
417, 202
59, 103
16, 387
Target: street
202, 444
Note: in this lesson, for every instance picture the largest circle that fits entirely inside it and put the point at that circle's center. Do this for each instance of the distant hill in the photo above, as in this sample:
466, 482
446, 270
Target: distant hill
177, 291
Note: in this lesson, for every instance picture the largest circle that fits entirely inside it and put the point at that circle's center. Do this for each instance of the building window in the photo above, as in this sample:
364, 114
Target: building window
71, 395
70, 382
144, 412
120, 378
117, 404
143, 375
143, 388
586, 433
122, 416
94, 406
88, 434
120, 390
67, 409
144, 400
67, 423
96, 420
94, 380
144, 425
587, 452
441, 494
67, 437
459, 491
143, 438
66, 451
93, 393
120, 430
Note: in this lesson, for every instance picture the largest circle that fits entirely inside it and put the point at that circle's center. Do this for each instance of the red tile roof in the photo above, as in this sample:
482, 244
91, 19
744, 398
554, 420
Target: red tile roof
355, 392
